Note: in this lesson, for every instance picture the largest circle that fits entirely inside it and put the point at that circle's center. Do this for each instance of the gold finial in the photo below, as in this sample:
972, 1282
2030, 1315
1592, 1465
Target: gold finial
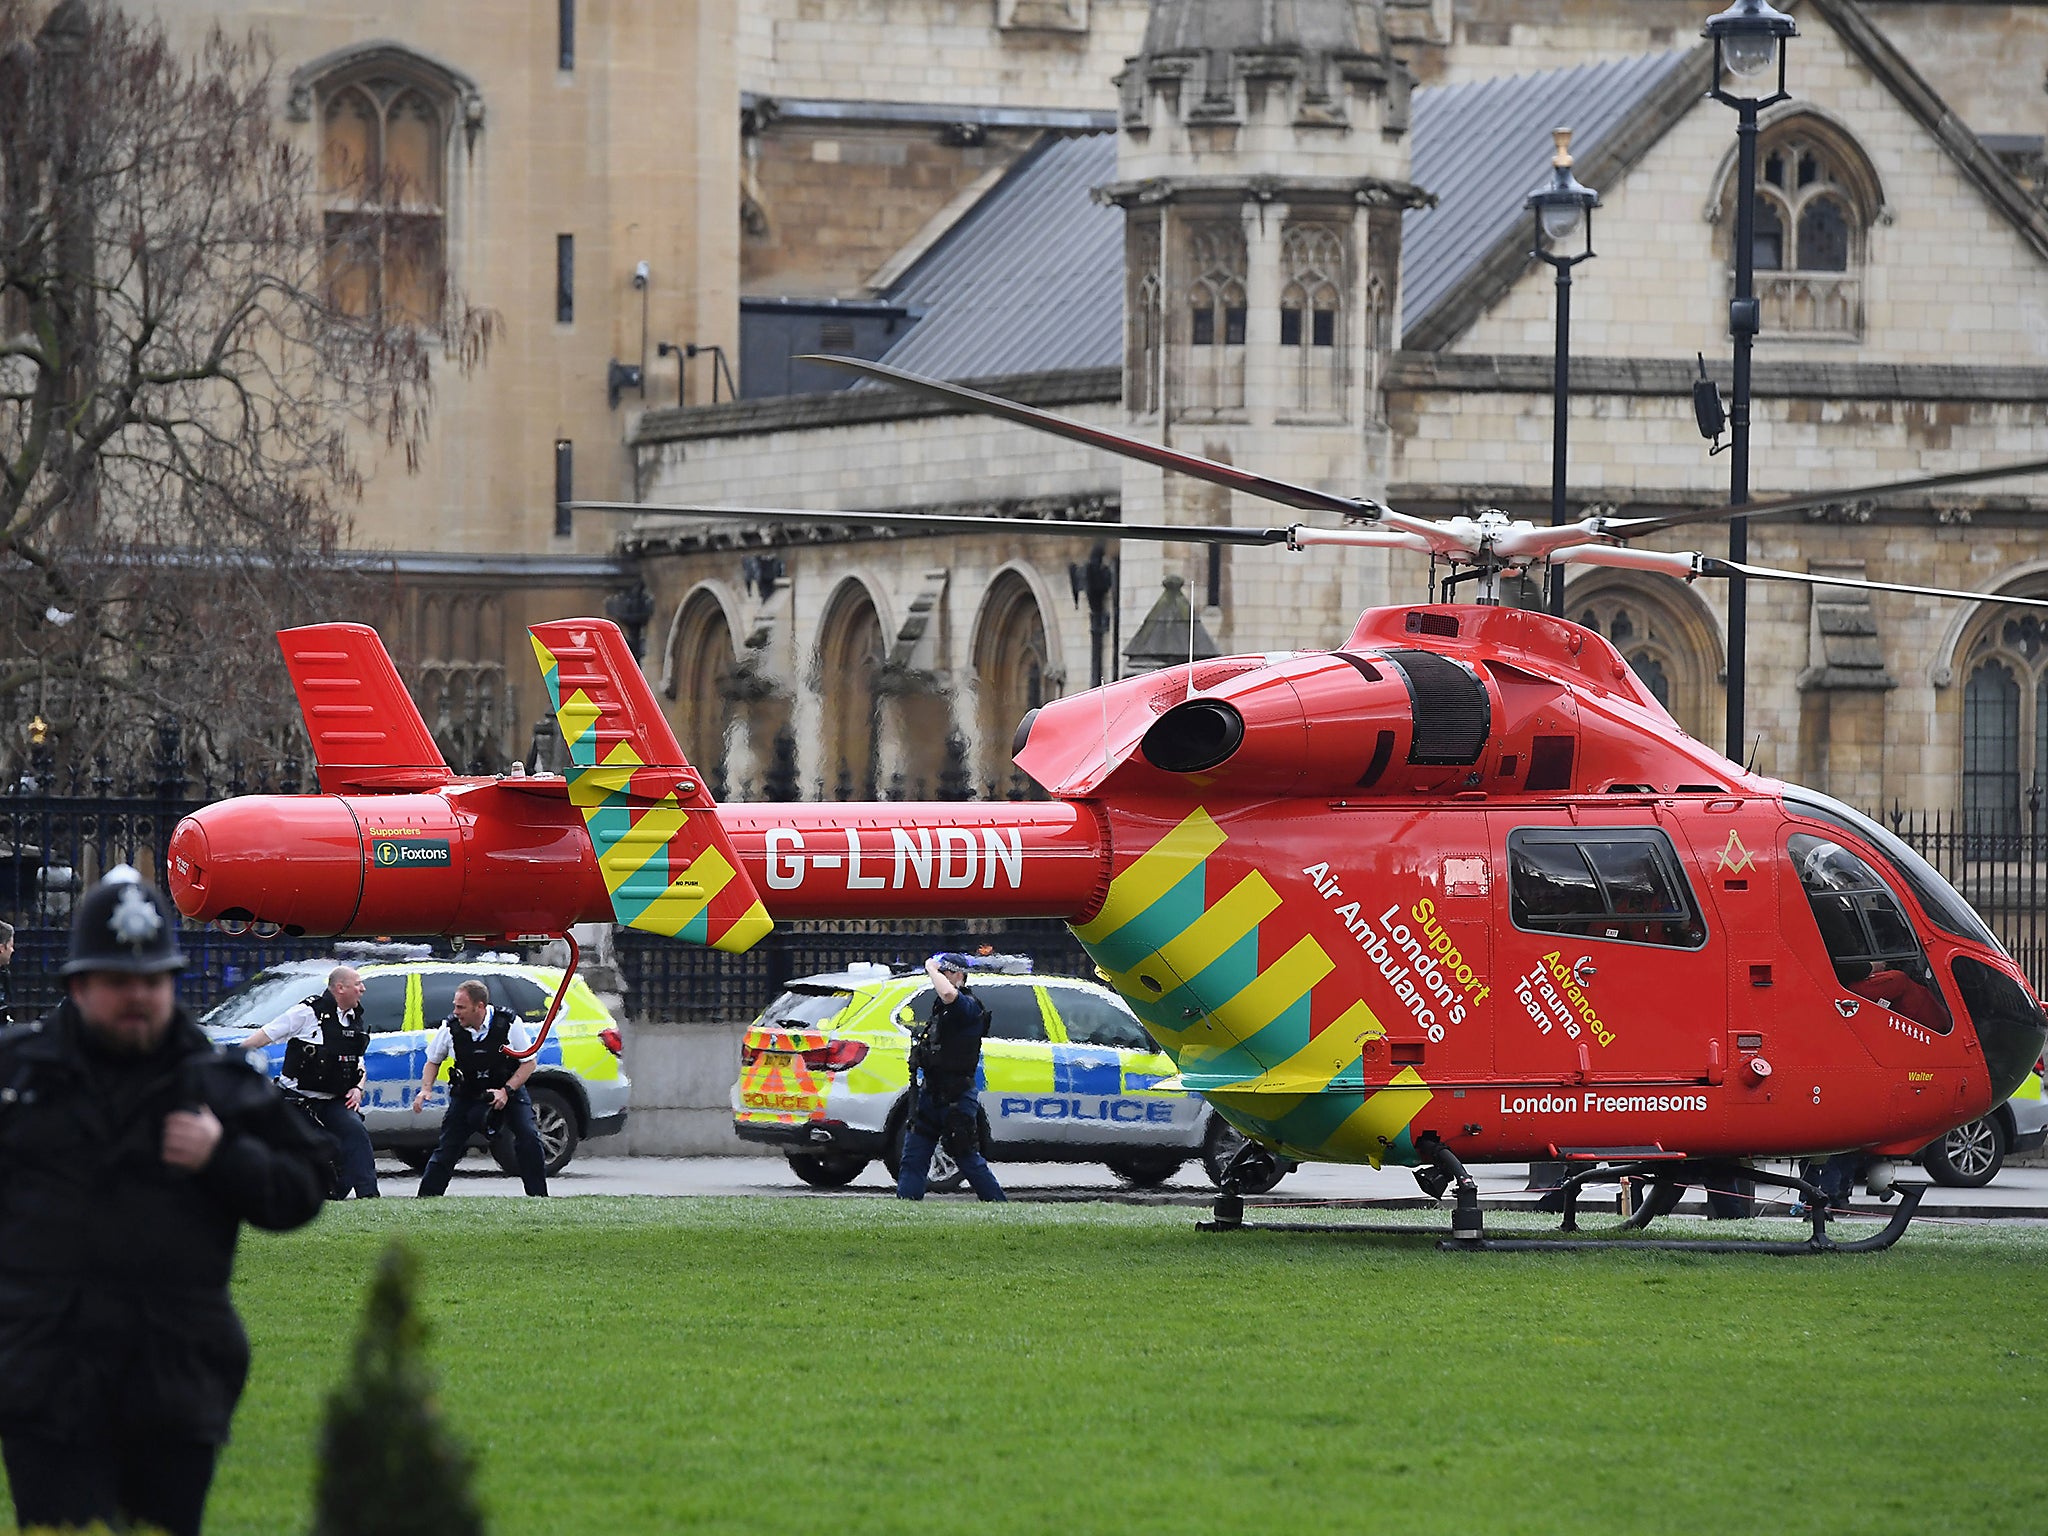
38, 732
1563, 158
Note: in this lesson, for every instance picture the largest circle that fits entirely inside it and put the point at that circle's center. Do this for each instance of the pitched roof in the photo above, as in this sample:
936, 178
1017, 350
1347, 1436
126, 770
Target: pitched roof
1483, 147
1031, 281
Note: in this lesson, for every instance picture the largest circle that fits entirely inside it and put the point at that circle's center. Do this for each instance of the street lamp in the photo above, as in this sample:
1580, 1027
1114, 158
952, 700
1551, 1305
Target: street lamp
1748, 38
1564, 209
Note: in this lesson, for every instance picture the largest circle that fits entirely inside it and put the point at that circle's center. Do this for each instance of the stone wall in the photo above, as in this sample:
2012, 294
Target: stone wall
682, 1083
1946, 276
940, 50
830, 205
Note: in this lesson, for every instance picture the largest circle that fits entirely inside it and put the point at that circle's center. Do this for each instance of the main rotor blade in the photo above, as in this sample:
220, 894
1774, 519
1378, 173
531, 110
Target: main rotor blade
1689, 565
1710, 565
944, 522
1636, 527
1193, 465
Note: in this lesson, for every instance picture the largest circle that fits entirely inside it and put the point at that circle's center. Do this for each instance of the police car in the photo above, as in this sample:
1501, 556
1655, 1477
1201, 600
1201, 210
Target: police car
578, 1088
1067, 1075
1970, 1156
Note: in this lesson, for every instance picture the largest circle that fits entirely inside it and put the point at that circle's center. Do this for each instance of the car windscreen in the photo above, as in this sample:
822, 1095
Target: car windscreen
262, 998
805, 1007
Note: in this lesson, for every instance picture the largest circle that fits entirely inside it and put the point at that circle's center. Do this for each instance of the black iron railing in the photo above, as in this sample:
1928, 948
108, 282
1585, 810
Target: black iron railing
2001, 870
60, 830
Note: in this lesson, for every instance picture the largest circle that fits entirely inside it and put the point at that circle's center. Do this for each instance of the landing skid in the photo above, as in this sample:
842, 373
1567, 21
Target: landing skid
1667, 1179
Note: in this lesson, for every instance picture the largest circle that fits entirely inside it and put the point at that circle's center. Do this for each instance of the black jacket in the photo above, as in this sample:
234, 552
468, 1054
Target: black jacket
114, 1268
957, 1029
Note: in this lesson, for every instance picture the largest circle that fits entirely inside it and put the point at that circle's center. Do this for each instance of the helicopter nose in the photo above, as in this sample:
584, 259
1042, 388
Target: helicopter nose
293, 860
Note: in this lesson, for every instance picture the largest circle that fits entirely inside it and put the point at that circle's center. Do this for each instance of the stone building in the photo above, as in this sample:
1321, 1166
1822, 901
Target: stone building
1324, 272
573, 168
1290, 236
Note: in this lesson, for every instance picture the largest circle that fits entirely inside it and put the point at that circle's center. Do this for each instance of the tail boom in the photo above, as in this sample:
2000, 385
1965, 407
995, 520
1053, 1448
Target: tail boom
512, 856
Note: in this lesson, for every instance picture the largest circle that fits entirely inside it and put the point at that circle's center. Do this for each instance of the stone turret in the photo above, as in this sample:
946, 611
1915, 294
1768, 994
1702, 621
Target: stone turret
1263, 169
1263, 83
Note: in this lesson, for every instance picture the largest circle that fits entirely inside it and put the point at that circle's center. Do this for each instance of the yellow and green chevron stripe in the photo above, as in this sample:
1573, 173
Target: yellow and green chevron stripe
1253, 1010
666, 862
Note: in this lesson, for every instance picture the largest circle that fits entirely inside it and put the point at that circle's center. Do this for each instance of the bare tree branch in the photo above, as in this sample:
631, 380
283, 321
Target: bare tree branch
189, 369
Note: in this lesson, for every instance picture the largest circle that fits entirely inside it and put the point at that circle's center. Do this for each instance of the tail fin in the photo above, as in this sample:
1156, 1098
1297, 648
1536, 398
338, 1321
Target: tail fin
367, 733
668, 863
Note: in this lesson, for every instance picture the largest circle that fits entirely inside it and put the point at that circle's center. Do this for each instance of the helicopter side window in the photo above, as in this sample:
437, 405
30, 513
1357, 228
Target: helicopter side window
1875, 953
1624, 885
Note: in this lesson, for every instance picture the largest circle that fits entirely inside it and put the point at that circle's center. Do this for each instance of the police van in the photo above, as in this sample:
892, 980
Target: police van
578, 1087
1067, 1075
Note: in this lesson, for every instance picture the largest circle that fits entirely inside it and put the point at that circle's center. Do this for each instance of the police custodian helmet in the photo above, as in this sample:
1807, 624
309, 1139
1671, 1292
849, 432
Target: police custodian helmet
123, 924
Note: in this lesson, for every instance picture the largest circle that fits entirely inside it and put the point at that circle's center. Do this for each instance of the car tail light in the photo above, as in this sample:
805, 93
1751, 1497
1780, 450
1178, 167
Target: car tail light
837, 1056
612, 1042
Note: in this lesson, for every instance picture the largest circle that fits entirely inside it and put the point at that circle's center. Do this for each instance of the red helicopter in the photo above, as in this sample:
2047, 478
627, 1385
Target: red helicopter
1456, 891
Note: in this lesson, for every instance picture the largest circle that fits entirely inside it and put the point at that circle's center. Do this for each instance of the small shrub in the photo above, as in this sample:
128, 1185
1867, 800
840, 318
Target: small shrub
388, 1464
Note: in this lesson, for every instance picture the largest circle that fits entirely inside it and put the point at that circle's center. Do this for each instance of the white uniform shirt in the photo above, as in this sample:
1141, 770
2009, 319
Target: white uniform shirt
298, 1022
442, 1046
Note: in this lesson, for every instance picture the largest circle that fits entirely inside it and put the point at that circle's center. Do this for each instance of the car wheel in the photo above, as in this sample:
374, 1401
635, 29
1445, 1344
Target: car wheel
555, 1117
827, 1170
414, 1158
945, 1176
1145, 1173
1969, 1156
1222, 1144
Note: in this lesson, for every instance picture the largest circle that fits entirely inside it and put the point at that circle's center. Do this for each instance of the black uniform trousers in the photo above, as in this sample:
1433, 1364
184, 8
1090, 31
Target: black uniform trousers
466, 1115
150, 1481
355, 1160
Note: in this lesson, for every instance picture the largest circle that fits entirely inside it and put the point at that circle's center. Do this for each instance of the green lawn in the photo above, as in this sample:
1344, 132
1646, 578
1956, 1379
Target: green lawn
807, 1365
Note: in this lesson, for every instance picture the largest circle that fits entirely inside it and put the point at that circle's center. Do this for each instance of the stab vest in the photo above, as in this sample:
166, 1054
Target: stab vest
480, 1065
336, 1063
953, 1048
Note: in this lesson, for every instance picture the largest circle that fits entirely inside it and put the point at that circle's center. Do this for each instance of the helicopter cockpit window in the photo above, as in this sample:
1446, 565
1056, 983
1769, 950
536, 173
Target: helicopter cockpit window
1875, 952
1612, 884
1940, 900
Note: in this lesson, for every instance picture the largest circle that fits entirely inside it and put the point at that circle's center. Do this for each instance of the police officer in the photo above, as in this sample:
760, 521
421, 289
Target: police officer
6, 974
323, 1074
486, 1082
946, 1105
131, 1152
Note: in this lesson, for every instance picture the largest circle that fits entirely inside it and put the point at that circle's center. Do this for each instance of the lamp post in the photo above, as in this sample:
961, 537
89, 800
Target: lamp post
1563, 209
1748, 39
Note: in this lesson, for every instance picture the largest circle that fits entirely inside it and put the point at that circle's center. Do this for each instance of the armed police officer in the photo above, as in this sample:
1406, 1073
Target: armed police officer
486, 1085
323, 1074
944, 1062
131, 1152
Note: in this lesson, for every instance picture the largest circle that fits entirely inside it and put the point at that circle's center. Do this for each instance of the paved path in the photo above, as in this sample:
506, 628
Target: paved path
2016, 1192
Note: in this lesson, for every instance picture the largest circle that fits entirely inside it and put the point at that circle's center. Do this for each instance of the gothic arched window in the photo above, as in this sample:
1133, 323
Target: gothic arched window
1010, 663
1665, 639
1148, 322
2005, 729
1379, 342
702, 663
1816, 198
851, 650
383, 154
1216, 312
1312, 317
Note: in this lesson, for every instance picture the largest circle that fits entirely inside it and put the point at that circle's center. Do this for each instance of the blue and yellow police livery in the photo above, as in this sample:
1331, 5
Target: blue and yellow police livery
578, 1087
1067, 1075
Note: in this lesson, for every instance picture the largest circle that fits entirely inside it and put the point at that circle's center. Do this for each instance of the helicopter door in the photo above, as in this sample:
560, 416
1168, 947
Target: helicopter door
1601, 944
1872, 953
